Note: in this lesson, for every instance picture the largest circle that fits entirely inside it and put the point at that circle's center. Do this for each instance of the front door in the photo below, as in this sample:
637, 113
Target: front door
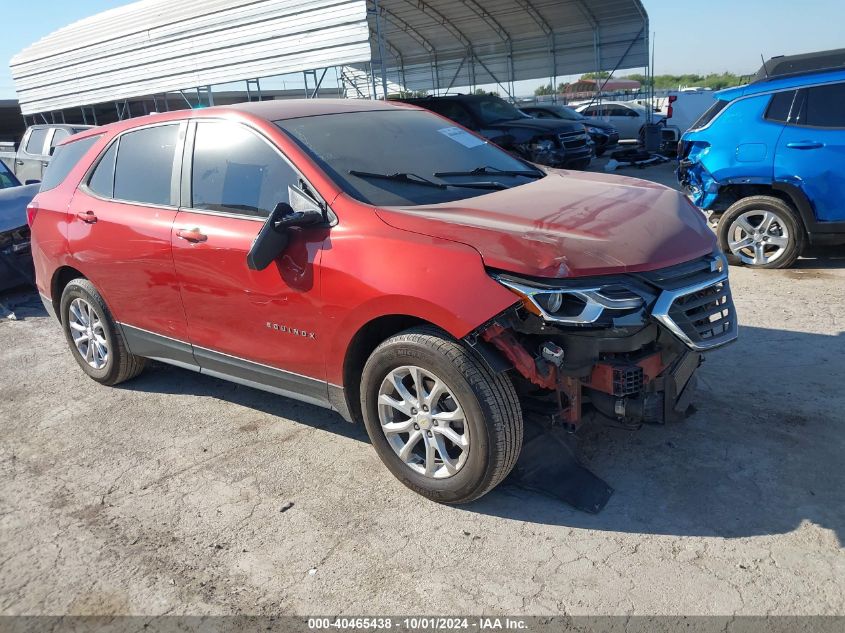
254, 326
811, 150
119, 228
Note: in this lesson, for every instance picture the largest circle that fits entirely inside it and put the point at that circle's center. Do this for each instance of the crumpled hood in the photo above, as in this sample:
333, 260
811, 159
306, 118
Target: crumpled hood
543, 126
569, 224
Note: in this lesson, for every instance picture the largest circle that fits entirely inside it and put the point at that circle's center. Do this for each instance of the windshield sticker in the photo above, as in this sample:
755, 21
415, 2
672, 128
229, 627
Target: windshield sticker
461, 136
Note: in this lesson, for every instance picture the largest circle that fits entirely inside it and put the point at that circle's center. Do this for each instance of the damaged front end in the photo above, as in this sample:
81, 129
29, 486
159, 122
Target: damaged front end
621, 348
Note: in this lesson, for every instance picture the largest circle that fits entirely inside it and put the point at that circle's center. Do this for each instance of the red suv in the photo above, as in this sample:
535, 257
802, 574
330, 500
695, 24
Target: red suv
380, 261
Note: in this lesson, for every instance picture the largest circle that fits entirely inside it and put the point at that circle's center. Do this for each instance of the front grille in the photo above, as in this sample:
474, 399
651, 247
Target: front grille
695, 303
573, 140
706, 316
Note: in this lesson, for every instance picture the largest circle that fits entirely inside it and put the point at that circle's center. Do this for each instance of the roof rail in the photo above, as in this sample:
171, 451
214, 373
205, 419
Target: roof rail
793, 65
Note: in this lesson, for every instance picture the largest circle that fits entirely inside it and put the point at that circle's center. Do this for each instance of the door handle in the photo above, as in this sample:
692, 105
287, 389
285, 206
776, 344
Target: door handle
87, 216
19, 162
191, 235
45, 163
805, 145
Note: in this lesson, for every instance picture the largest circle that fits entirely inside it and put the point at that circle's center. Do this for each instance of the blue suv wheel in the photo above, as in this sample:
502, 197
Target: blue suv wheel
762, 232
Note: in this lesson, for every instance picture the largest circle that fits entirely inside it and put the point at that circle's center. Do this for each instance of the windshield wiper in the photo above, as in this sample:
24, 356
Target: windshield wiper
416, 179
491, 171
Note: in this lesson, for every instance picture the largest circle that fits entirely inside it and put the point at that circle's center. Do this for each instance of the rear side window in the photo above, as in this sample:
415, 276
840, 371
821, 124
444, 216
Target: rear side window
825, 106
64, 160
35, 144
709, 114
102, 180
780, 106
144, 168
236, 171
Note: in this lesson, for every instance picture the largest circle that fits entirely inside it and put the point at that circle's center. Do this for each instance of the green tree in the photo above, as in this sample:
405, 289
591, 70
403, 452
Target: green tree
543, 90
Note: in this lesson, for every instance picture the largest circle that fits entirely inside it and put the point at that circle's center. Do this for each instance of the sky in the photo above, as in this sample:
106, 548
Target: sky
689, 37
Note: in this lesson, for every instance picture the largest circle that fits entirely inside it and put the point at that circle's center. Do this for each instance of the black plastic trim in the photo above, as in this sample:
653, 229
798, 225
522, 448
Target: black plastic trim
158, 347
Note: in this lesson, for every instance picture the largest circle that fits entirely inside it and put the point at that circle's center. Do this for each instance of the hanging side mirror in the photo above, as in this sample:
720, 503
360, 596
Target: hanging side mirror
273, 238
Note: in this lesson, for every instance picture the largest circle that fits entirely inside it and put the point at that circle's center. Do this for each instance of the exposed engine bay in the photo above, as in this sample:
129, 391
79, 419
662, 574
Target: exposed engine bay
623, 348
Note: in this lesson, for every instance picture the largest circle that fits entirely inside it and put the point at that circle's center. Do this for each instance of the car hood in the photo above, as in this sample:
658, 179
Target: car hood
597, 123
13, 201
549, 126
568, 224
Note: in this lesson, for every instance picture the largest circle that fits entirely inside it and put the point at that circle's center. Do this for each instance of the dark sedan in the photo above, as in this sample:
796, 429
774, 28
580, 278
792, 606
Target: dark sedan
603, 134
15, 255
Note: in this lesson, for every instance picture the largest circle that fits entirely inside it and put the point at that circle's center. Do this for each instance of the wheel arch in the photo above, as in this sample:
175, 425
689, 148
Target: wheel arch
62, 276
347, 399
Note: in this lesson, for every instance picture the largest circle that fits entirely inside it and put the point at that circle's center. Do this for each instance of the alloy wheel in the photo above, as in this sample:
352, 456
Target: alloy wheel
86, 329
423, 422
758, 237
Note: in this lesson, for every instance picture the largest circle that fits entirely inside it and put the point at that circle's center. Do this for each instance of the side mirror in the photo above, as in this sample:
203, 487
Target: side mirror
272, 239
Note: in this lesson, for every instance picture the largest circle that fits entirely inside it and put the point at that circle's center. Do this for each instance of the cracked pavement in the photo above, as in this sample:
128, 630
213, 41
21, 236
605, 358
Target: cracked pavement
171, 494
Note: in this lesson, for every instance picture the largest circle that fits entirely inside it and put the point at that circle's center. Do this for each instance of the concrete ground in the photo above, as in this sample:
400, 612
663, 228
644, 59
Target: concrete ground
182, 494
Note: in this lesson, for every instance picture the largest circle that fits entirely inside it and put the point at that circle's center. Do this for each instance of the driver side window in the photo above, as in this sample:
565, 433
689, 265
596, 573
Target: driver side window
236, 171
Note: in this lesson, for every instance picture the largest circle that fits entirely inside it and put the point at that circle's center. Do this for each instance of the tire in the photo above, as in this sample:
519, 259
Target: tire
117, 363
491, 420
762, 222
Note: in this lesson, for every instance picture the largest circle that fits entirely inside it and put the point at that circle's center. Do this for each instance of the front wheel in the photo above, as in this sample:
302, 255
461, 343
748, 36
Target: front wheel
441, 422
761, 232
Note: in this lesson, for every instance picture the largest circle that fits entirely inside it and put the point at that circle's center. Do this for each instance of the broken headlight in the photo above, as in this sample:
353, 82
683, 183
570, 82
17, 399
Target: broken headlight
583, 305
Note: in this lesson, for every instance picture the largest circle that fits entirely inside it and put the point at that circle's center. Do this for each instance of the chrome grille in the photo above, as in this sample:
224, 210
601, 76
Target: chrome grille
696, 303
706, 316
573, 140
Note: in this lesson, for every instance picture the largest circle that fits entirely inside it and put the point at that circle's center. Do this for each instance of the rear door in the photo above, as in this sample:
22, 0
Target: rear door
254, 326
120, 220
811, 150
33, 155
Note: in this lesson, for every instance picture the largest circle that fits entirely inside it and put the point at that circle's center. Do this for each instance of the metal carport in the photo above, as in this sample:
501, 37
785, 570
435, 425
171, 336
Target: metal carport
155, 47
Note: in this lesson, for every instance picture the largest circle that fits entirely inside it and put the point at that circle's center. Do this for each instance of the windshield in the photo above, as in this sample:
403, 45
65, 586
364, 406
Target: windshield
7, 178
492, 110
570, 114
412, 145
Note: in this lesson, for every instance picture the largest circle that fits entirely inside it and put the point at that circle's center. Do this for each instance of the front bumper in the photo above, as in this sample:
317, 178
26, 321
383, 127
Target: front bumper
634, 365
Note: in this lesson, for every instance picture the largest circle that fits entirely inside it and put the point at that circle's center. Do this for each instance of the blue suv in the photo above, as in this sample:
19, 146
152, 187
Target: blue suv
766, 162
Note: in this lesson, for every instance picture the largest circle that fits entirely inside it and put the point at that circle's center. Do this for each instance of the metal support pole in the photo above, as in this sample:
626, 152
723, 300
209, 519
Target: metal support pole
380, 42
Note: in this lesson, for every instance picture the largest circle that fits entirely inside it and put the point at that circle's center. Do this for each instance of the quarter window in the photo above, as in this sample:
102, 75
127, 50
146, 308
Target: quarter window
825, 106
35, 144
780, 105
102, 180
236, 171
144, 168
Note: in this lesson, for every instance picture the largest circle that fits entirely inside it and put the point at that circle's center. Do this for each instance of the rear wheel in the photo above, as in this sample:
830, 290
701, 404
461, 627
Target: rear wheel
761, 232
440, 421
93, 336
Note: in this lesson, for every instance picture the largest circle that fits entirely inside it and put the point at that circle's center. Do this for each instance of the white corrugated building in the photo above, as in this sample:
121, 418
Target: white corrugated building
155, 47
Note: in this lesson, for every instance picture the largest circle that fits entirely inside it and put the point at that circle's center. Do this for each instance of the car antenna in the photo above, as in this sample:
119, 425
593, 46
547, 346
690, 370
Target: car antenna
765, 70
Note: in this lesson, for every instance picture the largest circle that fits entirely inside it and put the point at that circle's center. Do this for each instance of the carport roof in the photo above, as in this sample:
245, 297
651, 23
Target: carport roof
155, 46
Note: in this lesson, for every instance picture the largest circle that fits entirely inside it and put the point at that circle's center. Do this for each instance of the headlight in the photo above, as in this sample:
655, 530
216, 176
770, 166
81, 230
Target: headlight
574, 305
595, 130
543, 145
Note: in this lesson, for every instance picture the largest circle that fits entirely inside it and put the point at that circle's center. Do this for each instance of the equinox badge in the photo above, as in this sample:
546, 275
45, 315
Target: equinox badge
293, 331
